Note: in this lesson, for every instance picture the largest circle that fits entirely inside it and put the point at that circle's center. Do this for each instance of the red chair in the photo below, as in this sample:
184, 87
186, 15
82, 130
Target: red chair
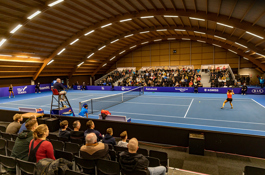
55, 92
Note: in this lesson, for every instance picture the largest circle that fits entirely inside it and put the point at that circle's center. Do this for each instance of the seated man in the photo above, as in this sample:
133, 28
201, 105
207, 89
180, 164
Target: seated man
60, 88
123, 142
14, 127
130, 161
23, 126
63, 132
108, 139
76, 134
93, 150
91, 129
21, 147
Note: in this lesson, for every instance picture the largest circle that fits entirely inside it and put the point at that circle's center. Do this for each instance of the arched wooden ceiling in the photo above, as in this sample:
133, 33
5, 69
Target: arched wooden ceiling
69, 32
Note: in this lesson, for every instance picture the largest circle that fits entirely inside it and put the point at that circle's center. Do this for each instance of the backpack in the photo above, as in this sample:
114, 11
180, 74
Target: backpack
33, 151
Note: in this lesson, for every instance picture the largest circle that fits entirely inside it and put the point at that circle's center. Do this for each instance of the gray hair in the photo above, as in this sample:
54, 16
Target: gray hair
91, 138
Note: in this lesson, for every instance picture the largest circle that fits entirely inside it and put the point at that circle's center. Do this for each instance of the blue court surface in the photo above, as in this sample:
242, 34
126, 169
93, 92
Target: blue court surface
185, 110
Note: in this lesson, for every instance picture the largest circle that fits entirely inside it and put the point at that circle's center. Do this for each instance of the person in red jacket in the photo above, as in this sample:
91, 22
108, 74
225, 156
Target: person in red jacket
39, 147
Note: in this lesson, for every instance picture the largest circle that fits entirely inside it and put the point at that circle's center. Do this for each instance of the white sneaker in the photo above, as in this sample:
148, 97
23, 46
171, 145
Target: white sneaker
39, 92
241, 94
35, 92
244, 94
9, 97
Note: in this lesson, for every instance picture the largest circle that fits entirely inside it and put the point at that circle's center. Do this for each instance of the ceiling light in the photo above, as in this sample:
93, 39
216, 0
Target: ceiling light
217, 45
247, 51
106, 25
171, 38
112, 58
170, 16
61, 51
133, 46
199, 32
245, 58
147, 16
232, 51
224, 25
199, 19
180, 30
104, 64
219, 37
5, 55
2, 42
185, 38
35, 57
201, 41
158, 40
80, 64
102, 47
128, 35
50, 62
145, 42
126, 20
89, 32
54, 3
255, 35
22, 56
16, 28
161, 30
260, 54
34, 14
90, 55
241, 45
144, 32
114, 41
122, 52
74, 41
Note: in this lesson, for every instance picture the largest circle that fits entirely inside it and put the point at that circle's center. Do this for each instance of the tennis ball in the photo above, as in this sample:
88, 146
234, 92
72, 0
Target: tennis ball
199, 101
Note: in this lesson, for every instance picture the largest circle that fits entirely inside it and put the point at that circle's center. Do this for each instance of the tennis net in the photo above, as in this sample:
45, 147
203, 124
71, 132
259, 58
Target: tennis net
97, 104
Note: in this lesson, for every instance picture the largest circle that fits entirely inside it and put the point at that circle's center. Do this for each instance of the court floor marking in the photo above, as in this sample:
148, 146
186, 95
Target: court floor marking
145, 103
202, 125
258, 103
26, 99
167, 116
188, 108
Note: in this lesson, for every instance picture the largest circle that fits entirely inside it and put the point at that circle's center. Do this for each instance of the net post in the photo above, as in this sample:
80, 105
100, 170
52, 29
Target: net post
80, 106
91, 106
121, 97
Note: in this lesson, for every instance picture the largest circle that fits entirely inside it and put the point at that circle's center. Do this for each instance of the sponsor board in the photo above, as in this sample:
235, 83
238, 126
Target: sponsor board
150, 89
257, 91
22, 90
181, 89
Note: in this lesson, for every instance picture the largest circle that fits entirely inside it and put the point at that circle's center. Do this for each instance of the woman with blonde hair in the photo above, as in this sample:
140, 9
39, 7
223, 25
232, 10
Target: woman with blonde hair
39, 148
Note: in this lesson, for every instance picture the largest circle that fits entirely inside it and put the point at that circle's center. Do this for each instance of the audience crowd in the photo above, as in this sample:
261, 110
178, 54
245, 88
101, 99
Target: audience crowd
32, 144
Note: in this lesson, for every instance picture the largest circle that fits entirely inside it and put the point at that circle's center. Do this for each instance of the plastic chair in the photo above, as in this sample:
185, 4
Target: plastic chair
52, 137
2, 128
107, 167
88, 166
110, 147
64, 154
6, 136
70, 172
14, 137
144, 172
162, 156
112, 154
8, 162
72, 148
55, 92
10, 145
120, 149
63, 139
153, 162
142, 151
3, 147
59, 145
77, 141
26, 167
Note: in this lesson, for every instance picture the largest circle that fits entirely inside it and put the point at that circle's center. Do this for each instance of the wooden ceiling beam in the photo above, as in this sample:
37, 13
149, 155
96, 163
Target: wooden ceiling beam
122, 6
184, 6
101, 8
220, 4
163, 4
110, 6
132, 5
232, 11
88, 8
195, 7
249, 7
263, 14
206, 10
142, 4
152, 4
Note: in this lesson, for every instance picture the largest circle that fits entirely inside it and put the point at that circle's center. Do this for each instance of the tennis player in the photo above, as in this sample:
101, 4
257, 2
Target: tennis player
11, 91
229, 98
84, 111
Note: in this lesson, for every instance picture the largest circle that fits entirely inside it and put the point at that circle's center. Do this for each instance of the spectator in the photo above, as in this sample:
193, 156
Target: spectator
63, 133
84, 111
14, 127
261, 81
108, 139
124, 137
39, 148
94, 150
91, 129
248, 80
60, 88
244, 89
190, 84
76, 134
21, 147
225, 85
195, 88
23, 126
131, 161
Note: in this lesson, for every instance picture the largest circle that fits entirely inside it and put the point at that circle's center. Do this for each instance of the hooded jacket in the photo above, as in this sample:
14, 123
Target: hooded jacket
133, 161
108, 139
64, 134
21, 147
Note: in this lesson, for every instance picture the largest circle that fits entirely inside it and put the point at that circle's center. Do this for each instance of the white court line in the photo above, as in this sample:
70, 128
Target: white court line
80, 97
188, 108
26, 99
144, 103
200, 125
258, 103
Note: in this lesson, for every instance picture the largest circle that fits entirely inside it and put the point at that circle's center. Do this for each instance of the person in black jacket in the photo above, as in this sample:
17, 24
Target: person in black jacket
244, 89
63, 132
131, 161
37, 88
76, 134
108, 139
60, 88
